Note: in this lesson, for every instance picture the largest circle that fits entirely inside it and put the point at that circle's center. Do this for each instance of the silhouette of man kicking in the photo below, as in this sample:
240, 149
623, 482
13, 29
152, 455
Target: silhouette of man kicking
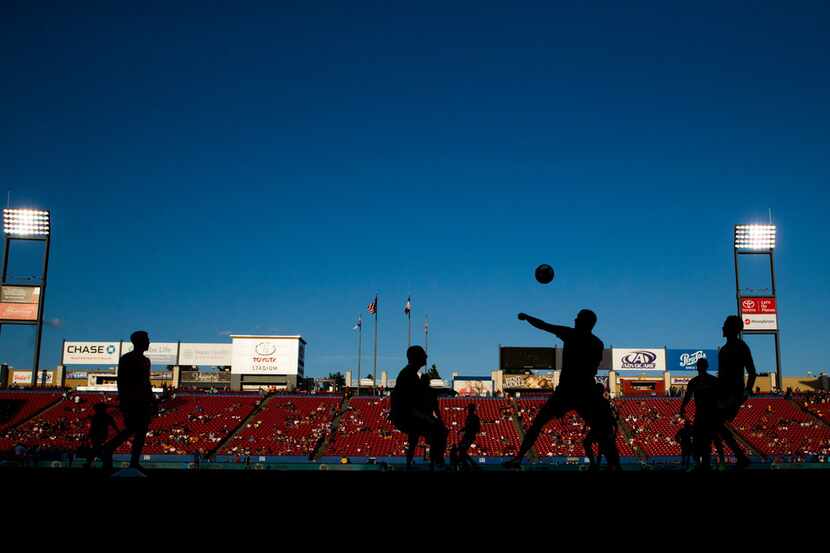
137, 402
409, 413
734, 358
581, 357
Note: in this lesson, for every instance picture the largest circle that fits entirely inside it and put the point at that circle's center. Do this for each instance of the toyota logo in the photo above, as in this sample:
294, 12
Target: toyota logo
749, 304
265, 349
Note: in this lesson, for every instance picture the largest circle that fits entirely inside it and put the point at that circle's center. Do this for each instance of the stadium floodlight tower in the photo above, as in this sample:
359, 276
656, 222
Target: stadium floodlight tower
759, 312
23, 303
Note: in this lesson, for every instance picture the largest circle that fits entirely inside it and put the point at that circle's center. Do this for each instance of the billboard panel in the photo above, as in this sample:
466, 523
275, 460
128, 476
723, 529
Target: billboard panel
686, 359
206, 355
646, 359
465, 388
24, 378
19, 303
160, 353
90, 353
527, 358
759, 314
266, 355
528, 382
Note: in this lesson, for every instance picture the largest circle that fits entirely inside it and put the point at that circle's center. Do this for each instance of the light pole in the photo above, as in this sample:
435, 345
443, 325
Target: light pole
759, 313
23, 304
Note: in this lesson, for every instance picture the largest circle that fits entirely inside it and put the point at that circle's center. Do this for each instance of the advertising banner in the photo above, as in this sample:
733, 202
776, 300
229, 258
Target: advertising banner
528, 382
266, 355
24, 378
19, 303
686, 359
466, 388
206, 355
759, 314
91, 353
160, 353
646, 359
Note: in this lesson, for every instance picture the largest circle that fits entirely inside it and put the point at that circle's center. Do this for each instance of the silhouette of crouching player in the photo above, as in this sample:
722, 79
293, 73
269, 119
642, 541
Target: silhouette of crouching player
100, 423
410, 415
460, 455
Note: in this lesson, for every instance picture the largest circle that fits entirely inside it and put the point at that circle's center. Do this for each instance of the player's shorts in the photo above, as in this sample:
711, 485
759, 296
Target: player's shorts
560, 403
729, 407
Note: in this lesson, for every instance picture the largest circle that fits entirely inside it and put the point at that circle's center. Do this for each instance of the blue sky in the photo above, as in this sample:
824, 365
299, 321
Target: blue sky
269, 170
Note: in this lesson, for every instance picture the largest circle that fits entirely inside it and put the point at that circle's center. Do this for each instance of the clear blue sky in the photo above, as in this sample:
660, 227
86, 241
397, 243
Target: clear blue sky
269, 170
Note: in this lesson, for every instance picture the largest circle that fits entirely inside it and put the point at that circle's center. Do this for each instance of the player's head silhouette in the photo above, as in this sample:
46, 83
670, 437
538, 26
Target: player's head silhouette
416, 356
732, 326
471, 409
702, 365
585, 320
140, 340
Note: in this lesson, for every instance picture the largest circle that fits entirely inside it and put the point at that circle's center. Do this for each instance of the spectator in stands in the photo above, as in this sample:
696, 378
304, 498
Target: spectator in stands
136, 398
734, 358
704, 390
407, 411
100, 423
581, 358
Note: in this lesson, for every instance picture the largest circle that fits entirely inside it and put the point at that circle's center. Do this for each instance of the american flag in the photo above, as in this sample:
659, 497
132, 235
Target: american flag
373, 307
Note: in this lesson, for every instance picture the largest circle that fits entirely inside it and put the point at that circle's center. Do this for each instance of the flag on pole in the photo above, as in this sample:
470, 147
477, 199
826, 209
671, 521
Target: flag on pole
359, 324
426, 326
373, 307
407, 309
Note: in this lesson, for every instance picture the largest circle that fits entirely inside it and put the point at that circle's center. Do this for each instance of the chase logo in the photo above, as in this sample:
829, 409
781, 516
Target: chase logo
265, 349
640, 360
110, 349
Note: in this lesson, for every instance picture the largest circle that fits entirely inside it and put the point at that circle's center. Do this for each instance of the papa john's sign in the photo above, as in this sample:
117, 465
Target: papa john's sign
759, 314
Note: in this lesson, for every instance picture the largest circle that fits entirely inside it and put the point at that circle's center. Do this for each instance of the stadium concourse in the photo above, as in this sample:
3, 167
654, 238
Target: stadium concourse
313, 431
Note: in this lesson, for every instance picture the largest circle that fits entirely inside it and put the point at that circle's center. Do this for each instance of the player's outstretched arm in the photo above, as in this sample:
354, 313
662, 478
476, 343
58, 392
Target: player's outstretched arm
559, 331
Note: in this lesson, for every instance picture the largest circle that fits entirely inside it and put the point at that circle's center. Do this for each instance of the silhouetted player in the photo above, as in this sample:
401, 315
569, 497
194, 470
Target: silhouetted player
734, 358
469, 433
581, 357
135, 394
429, 405
408, 411
704, 390
100, 423
685, 437
601, 413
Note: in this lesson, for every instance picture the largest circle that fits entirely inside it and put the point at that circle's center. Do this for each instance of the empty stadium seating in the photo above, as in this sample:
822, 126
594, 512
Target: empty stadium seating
365, 431
18, 406
287, 426
780, 428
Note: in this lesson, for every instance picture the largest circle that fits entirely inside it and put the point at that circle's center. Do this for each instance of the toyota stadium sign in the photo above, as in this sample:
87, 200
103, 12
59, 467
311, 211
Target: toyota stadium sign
91, 353
639, 359
268, 355
759, 314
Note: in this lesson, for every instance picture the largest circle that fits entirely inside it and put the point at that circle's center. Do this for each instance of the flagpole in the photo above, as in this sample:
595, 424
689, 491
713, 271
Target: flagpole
426, 335
359, 349
409, 316
375, 365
